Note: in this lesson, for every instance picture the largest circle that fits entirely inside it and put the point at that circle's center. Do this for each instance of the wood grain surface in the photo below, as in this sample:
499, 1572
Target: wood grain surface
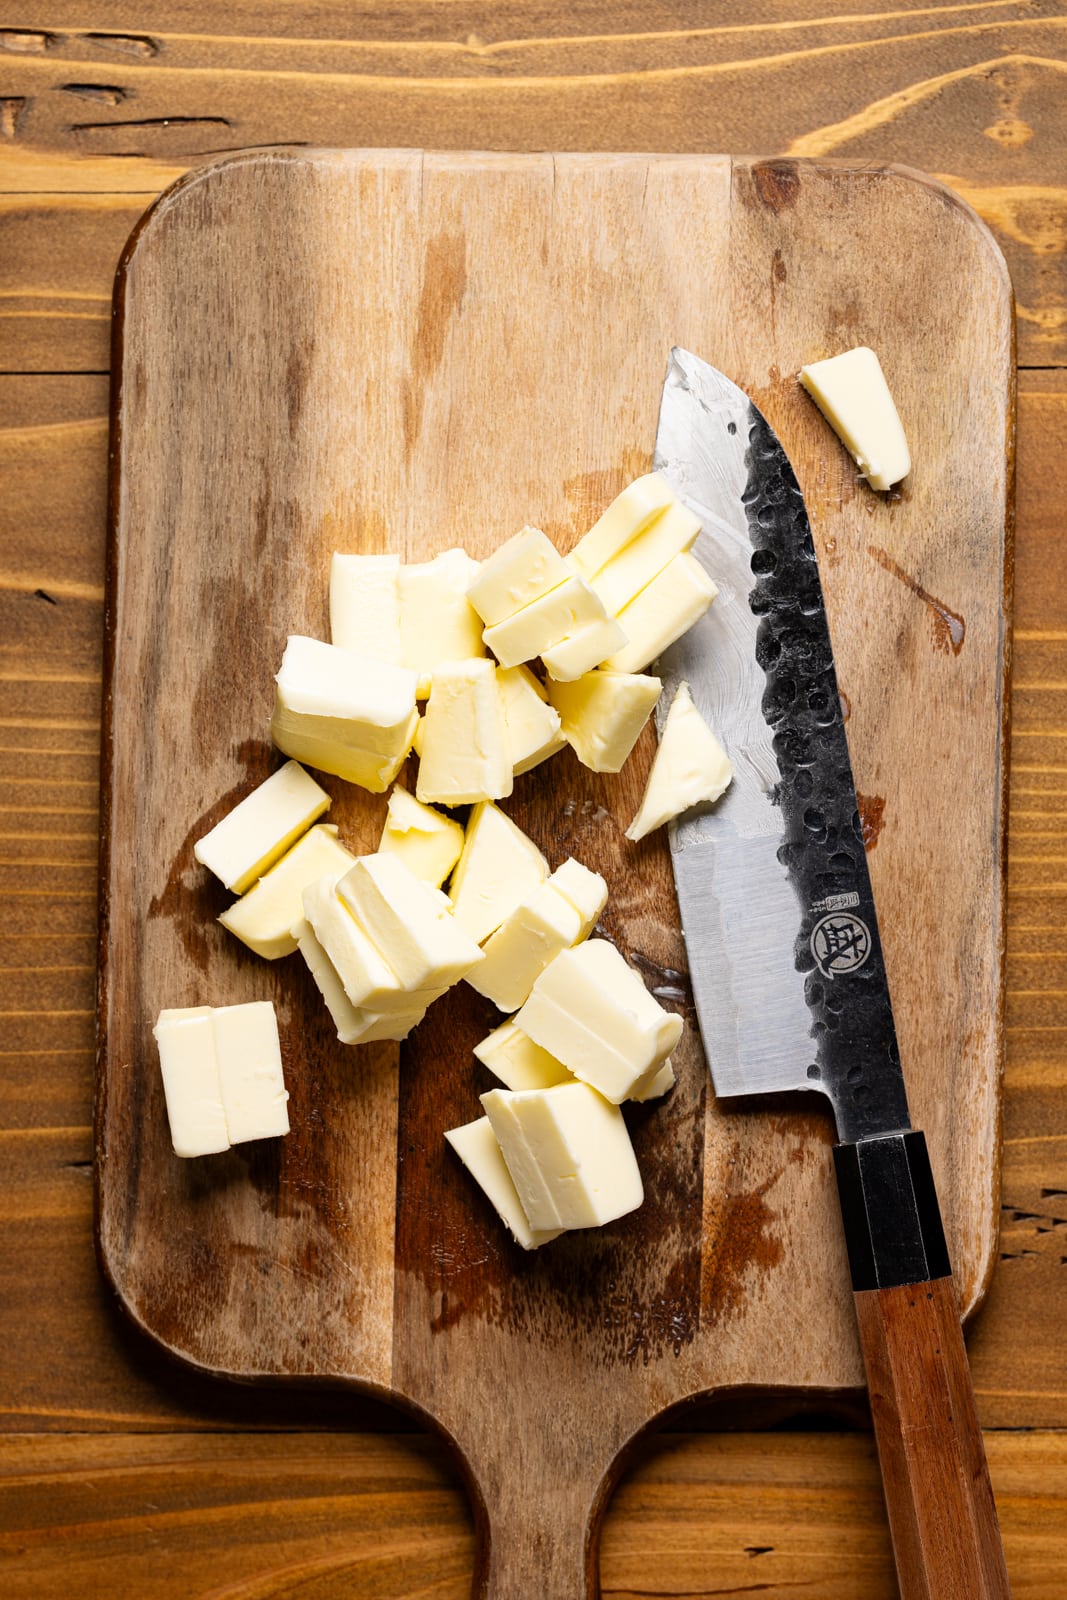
101, 1462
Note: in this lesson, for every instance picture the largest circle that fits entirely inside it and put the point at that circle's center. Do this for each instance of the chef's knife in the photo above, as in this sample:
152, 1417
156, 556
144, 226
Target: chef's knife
786, 963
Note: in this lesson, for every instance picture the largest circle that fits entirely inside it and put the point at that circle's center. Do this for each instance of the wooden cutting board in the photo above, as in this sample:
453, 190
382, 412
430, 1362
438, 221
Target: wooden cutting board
396, 351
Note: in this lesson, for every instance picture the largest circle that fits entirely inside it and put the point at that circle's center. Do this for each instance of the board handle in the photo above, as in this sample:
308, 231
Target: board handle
942, 1516
541, 1537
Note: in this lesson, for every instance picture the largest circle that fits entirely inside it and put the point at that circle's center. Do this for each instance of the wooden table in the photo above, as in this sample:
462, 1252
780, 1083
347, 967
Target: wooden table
121, 1474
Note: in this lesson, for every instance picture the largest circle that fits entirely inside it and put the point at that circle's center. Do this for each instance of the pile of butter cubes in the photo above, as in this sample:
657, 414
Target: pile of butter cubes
379, 934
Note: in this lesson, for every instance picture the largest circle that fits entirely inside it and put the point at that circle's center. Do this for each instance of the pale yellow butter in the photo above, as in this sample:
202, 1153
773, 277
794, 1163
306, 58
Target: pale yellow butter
583, 650
690, 767
344, 713
427, 842
533, 727
498, 869
852, 393
466, 755
624, 519
544, 622
622, 578
369, 981
365, 605
249, 1055
263, 918
354, 1024
558, 914
512, 1056
657, 1081
568, 1152
592, 1012
675, 599
410, 923
261, 827
437, 621
522, 570
476, 1146
190, 1069
602, 714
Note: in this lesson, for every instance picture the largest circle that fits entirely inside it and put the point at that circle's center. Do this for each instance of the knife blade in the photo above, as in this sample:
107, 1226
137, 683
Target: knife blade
786, 963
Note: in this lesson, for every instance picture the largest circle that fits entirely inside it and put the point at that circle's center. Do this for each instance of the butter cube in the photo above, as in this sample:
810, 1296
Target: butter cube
544, 622
662, 612
512, 1056
622, 578
586, 891
190, 1068
437, 621
365, 605
603, 713
523, 569
476, 1146
263, 918
410, 923
498, 869
368, 980
690, 767
568, 1152
851, 392
592, 1012
250, 1071
584, 650
536, 931
427, 842
354, 1024
344, 713
629, 513
261, 827
466, 756
533, 726
656, 1081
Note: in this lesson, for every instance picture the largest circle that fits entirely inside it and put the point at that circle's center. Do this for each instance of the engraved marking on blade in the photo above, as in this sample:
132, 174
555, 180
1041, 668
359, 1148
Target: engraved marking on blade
840, 943
836, 902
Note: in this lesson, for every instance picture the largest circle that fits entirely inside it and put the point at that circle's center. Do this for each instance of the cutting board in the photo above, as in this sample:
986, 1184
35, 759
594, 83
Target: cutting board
396, 351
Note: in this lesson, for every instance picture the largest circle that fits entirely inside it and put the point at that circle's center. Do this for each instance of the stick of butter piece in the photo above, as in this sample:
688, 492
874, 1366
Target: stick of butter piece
586, 891
512, 1056
560, 913
656, 1081
369, 981
428, 843
263, 918
602, 714
622, 578
851, 392
592, 1012
344, 713
250, 1071
365, 605
354, 1024
476, 1146
532, 724
411, 924
523, 569
498, 869
437, 621
466, 756
629, 513
583, 650
544, 622
675, 599
191, 1085
261, 827
568, 1152
690, 767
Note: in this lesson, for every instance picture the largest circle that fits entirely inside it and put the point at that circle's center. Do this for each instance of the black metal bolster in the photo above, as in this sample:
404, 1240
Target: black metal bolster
893, 1225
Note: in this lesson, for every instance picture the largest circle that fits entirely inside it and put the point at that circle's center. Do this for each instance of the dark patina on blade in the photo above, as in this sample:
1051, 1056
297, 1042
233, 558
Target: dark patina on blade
782, 934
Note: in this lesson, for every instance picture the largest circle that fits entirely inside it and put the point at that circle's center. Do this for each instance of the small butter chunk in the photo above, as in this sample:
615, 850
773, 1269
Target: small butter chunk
344, 713
592, 1012
250, 1071
586, 891
476, 1146
411, 924
603, 713
532, 724
670, 533
851, 392
261, 827
365, 605
512, 1056
560, 913
657, 1081
191, 1085
583, 650
466, 756
544, 622
568, 1152
498, 869
675, 599
523, 569
627, 515
690, 767
354, 1024
427, 842
263, 918
437, 621
368, 980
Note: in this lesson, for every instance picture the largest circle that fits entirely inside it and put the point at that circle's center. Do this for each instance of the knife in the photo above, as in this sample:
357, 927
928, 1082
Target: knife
786, 962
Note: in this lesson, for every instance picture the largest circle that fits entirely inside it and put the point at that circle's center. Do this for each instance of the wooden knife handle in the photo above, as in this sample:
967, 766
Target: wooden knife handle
942, 1517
